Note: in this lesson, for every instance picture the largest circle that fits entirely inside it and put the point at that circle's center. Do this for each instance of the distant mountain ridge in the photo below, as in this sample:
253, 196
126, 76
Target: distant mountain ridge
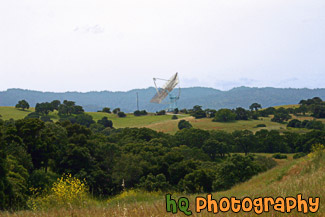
206, 97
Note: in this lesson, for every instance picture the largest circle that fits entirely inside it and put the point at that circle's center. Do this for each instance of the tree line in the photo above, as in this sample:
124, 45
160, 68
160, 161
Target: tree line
35, 152
315, 107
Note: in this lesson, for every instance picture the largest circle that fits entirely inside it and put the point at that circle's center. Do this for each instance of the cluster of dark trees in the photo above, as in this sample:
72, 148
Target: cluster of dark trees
34, 153
46, 107
182, 124
65, 110
116, 111
68, 111
140, 113
316, 106
22, 104
161, 112
106, 110
227, 115
119, 113
312, 124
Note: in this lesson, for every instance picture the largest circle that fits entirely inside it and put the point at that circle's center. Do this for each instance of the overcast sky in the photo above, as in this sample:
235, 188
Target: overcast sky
85, 45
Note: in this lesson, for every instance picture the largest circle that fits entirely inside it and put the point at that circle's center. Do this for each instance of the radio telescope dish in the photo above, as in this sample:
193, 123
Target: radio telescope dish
166, 90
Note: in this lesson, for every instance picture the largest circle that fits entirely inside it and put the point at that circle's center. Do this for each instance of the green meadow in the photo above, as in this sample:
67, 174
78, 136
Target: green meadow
8, 112
164, 123
129, 121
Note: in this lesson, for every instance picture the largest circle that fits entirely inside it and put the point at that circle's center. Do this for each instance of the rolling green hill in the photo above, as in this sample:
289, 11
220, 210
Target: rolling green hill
8, 112
130, 120
164, 123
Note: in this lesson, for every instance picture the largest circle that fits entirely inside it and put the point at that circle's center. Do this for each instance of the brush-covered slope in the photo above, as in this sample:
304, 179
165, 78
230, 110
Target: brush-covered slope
289, 178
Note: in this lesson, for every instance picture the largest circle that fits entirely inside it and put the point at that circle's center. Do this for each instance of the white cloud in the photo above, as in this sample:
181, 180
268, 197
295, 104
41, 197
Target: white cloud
95, 29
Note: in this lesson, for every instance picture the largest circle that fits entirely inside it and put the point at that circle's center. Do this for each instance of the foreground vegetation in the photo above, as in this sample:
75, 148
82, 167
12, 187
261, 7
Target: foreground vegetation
305, 175
83, 161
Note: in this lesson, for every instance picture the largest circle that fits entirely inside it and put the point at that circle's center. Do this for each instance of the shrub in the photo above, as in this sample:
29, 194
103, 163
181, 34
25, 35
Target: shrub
198, 181
140, 113
46, 119
105, 122
96, 127
197, 112
317, 155
42, 180
184, 124
266, 112
235, 169
314, 124
106, 110
23, 104
317, 125
66, 191
224, 115
260, 125
279, 156
121, 114
294, 123
32, 115
281, 115
299, 155
116, 110
84, 119
210, 113
316, 150
154, 183
265, 163
137, 113
174, 117
162, 112
304, 123
254, 116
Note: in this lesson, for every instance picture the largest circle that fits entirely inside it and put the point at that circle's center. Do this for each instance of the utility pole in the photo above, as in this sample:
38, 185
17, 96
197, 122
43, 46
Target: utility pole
137, 102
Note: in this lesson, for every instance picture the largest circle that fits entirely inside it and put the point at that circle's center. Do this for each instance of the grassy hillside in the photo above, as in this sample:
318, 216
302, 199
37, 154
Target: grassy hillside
287, 106
289, 178
207, 124
8, 112
130, 121
163, 123
134, 121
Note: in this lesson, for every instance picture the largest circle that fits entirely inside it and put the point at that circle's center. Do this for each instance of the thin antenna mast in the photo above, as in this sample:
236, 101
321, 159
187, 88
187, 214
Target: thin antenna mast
137, 101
